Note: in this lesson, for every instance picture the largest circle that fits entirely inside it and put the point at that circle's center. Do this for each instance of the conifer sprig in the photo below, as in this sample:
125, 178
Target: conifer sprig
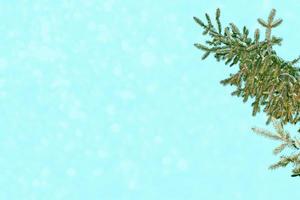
287, 141
263, 75
272, 82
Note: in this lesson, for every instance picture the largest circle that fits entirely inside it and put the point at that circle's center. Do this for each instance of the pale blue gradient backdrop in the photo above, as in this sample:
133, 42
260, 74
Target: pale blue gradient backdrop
109, 100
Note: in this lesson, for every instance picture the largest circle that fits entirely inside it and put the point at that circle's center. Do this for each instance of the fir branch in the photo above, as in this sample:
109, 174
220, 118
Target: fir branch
273, 82
266, 133
241, 49
284, 161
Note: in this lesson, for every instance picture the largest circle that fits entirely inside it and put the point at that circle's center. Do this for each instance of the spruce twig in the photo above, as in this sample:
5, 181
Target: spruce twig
273, 82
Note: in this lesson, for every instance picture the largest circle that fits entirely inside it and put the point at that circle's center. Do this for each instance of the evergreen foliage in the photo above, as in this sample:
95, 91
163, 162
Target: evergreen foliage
272, 82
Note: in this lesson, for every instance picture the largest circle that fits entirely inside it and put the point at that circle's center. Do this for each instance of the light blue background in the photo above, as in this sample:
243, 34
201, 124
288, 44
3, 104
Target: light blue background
109, 100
